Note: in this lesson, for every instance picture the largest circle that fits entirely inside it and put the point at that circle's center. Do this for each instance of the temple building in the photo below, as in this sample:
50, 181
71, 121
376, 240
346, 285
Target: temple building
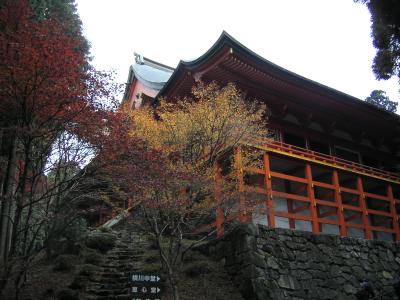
331, 163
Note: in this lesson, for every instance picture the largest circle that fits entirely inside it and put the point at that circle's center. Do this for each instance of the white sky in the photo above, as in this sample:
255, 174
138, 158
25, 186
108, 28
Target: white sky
327, 41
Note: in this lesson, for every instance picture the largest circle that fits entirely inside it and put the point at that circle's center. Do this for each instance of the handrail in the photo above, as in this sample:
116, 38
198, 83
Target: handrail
320, 158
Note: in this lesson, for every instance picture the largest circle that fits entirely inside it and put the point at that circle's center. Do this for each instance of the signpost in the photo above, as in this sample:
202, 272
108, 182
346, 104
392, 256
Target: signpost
145, 286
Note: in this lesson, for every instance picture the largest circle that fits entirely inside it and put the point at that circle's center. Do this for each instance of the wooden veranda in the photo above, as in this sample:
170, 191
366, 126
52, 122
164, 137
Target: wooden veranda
301, 189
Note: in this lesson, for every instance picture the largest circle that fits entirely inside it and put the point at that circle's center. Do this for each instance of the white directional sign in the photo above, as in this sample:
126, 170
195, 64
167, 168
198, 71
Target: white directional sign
145, 286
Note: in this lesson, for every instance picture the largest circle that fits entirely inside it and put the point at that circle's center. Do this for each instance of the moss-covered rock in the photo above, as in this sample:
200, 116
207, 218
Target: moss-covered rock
100, 241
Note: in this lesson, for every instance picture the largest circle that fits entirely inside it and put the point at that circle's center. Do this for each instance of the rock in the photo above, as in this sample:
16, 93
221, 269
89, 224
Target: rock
250, 229
272, 263
100, 241
390, 255
288, 282
349, 289
387, 275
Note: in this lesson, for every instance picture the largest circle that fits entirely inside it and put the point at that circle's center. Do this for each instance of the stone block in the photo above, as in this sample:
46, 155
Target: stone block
252, 272
272, 263
288, 282
249, 229
349, 289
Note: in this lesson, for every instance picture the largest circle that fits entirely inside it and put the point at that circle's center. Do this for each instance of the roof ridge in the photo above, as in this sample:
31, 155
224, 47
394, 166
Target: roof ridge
141, 60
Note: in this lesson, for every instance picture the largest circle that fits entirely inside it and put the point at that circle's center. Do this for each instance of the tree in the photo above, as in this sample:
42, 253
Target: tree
385, 17
47, 91
194, 134
65, 12
379, 99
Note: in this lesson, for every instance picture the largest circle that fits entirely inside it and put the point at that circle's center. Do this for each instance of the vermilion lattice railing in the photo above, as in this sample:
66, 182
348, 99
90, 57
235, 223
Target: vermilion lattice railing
346, 207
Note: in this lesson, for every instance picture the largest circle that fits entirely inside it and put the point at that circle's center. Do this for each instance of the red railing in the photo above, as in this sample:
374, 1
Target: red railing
321, 158
319, 203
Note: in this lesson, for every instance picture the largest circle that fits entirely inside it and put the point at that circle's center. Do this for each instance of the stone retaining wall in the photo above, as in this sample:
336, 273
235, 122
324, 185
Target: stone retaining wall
285, 264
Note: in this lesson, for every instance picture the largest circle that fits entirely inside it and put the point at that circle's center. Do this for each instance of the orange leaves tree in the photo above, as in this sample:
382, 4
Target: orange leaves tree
193, 133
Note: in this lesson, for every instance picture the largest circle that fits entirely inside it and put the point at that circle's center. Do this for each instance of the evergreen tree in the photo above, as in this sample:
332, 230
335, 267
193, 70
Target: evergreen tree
385, 18
64, 11
379, 99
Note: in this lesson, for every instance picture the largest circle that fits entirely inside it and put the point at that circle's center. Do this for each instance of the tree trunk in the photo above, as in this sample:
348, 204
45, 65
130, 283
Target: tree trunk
170, 271
7, 207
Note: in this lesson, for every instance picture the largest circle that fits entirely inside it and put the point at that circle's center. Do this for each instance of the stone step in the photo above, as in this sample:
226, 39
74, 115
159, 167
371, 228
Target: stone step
111, 281
109, 294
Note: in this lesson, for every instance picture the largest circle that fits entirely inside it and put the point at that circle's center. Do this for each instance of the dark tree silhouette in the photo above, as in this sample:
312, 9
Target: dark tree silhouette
379, 99
385, 17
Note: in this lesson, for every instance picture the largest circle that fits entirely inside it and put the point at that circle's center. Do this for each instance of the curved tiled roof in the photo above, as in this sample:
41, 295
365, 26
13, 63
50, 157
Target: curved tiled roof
150, 73
226, 40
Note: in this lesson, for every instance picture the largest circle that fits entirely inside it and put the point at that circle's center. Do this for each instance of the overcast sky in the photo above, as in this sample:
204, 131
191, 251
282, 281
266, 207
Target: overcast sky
327, 41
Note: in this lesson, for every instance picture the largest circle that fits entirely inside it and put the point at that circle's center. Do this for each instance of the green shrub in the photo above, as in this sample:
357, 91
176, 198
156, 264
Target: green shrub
65, 262
100, 241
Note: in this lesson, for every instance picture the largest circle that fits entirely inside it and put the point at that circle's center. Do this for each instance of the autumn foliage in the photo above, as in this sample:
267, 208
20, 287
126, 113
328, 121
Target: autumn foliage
198, 130
54, 107
193, 134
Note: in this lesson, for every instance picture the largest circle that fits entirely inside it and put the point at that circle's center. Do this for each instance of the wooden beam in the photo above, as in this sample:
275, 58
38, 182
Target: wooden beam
338, 200
363, 206
268, 187
313, 204
240, 185
393, 212
289, 203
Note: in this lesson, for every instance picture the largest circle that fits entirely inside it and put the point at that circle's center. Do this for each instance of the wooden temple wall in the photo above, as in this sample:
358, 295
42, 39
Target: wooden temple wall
288, 192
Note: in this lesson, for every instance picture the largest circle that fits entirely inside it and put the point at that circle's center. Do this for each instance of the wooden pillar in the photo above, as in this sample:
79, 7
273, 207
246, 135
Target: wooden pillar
395, 217
268, 188
363, 206
240, 186
338, 200
290, 207
292, 222
313, 204
219, 221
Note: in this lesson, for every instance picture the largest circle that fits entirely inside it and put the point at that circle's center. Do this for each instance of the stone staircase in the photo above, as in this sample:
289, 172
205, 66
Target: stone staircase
112, 279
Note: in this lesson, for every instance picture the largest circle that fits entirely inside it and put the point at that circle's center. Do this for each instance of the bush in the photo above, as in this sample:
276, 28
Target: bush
67, 294
101, 241
199, 268
65, 262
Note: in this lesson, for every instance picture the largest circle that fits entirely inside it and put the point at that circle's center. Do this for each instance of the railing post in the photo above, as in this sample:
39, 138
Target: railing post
219, 221
268, 187
240, 186
311, 196
395, 217
338, 200
363, 205
292, 222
